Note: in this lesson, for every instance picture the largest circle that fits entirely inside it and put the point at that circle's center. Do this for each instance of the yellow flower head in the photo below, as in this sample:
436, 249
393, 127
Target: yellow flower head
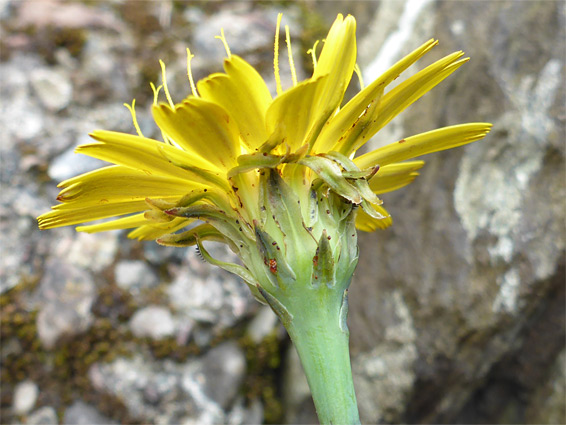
257, 170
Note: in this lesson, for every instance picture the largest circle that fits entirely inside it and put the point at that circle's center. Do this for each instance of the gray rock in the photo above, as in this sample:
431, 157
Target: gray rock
21, 118
477, 246
163, 391
222, 370
152, 321
64, 296
133, 380
93, 252
43, 416
18, 237
134, 275
69, 164
25, 396
548, 406
80, 413
242, 415
263, 323
208, 294
386, 372
51, 13
4, 9
244, 31
53, 88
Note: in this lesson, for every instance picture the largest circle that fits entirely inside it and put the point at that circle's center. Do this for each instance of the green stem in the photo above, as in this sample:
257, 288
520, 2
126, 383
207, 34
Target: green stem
321, 340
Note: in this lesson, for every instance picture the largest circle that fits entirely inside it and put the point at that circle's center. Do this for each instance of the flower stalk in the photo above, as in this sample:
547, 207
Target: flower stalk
321, 337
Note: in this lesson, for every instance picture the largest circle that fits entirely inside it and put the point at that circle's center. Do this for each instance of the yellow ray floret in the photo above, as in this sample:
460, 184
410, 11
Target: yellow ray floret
203, 129
425, 143
394, 176
242, 91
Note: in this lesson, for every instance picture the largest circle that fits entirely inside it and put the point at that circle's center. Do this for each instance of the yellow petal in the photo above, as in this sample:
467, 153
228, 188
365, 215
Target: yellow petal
243, 92
399, 98
153, 230
366, 223
293, 113
119, 184
202, 128
350, 113
128, 222
150, 156
337, 60
394, 176
63, 216
425, 143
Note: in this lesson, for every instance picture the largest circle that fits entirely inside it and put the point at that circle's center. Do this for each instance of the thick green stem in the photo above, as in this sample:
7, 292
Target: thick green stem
321, 339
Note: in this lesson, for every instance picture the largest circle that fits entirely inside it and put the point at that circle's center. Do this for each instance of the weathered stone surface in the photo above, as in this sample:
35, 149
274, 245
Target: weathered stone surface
64, 297
152, 321
150, 389
223, 370
25, 396
53, 87
43, 416
166, 392
199, 291
135, 276
477, 246
80, 413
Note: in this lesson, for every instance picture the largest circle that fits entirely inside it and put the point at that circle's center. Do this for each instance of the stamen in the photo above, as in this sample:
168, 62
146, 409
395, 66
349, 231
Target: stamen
165, 89
358, 72
276, 56
313, 53
223, 39
190, 73
155, 92
290, 53
132, 110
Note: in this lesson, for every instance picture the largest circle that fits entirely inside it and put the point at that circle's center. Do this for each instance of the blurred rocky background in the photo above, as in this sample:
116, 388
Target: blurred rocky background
457, 312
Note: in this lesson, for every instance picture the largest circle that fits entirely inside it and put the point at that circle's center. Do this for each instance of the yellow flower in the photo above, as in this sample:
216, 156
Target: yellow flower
217, 139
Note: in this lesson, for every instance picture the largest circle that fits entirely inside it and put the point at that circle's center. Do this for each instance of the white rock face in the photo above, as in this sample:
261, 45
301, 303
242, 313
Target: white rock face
154, 321
53, 88
25, 396
134, 275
